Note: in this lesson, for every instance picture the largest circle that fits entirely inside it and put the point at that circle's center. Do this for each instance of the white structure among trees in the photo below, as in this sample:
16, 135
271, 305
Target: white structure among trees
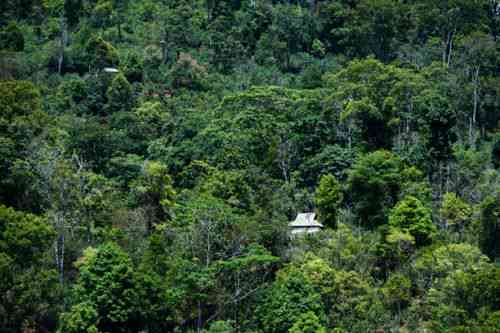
305, 223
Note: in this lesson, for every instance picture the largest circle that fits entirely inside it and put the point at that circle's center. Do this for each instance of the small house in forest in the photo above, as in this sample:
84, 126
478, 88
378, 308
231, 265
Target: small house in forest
111, 70
305, 223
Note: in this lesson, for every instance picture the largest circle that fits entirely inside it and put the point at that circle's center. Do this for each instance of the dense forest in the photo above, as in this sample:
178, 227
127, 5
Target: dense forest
154, 152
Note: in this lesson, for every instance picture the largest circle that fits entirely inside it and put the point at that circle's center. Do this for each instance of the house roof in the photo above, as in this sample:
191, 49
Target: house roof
305, 220
111, 70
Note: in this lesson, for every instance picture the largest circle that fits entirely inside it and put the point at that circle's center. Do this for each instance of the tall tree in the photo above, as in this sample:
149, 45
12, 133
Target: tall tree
28, 287
153, 190
328, 198
489, 236
412, 216
119, 95
105, 295
374, 185
446, 19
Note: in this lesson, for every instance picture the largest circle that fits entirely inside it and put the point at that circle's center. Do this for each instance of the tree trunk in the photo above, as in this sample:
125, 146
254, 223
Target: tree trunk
450, 49
198, 323
210, 8
59, 253
62, 27
472, 126
236, 304
120, 30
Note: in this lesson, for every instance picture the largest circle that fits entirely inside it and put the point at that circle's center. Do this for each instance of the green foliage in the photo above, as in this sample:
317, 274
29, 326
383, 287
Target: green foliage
24, 236
374, 184
307, 323
312, 76
71, 94
328, 199
435, 264
187, 73
100, 54
292, 30
318, 48
397, 291
103, 302
221, 326
82, 318
394, 250
21, 120
455, 212
181, 25
412, 216
347, 251
331, 159
153, 190
465, 296
28, 286
376, 27
124, 169
230, 186
289, 297
362, 89
489, 234
496, 154
93, 143
119, 95
101, 14
241, 275
490, 324
11, 38
191, 132
438, 120
73, 10
154, 118
18, 98
133, 68
352, 295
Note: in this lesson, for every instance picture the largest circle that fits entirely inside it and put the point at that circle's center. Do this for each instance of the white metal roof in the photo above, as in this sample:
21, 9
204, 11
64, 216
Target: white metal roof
305, 220
111, 70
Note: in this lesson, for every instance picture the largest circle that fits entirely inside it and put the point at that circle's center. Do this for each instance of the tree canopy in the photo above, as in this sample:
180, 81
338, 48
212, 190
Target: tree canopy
154, 153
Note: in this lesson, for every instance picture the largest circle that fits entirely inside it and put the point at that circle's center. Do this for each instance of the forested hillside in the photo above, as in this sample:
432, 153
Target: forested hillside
153, 153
